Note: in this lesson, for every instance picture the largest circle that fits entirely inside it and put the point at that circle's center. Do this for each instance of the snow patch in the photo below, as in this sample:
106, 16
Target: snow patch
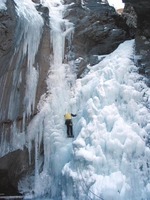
3, 5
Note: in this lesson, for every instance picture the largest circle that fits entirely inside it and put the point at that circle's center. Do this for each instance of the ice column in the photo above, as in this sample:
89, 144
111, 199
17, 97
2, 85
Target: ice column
55, 104
28, 40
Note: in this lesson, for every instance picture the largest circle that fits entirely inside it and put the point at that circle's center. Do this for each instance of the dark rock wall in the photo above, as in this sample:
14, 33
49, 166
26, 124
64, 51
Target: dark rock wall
8, 22
142, 38
10, 171
43, 55
99, 29
142, 9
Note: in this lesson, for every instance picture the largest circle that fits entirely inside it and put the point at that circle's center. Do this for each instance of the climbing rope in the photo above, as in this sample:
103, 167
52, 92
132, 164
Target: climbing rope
98, 197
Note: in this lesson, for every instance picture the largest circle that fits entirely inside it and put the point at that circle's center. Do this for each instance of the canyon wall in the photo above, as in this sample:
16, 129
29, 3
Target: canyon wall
98, 30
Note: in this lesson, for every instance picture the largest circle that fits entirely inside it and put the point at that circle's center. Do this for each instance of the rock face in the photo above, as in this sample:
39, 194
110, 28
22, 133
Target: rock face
142, 10
98, 31
14, 165
8, 22
10, 171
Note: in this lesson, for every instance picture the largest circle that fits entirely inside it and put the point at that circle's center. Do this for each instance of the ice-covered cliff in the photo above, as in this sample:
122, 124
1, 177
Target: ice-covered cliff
50, 45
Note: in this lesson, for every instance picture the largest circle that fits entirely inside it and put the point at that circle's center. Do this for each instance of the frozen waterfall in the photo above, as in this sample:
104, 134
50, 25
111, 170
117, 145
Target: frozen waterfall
27, 42
48, 126
109, 158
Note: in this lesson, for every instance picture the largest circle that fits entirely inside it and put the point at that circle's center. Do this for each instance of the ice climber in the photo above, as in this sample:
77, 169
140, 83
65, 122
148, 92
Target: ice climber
68, 122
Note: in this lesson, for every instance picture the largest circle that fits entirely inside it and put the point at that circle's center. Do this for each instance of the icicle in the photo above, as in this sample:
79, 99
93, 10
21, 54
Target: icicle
51, 128
27, 43
47, 127
36, 163
30, 21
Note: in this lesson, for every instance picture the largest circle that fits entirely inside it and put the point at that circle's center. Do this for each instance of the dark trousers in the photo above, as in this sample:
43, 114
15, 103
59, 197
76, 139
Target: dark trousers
69, 127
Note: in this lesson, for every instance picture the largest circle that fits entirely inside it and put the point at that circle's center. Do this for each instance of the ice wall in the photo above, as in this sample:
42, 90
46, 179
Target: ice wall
30, 26
110, 159
47, 129
19, 83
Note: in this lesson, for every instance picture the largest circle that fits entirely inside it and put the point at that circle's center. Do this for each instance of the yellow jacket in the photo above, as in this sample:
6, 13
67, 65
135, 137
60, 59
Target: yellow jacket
68, 116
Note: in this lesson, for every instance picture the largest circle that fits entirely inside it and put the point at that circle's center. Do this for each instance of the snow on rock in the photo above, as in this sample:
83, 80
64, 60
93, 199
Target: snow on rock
110, 159
3, 5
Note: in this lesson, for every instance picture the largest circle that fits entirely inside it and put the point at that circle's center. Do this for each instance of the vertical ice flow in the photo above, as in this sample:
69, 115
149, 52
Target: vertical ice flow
110, 157
27, 40
49, 123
